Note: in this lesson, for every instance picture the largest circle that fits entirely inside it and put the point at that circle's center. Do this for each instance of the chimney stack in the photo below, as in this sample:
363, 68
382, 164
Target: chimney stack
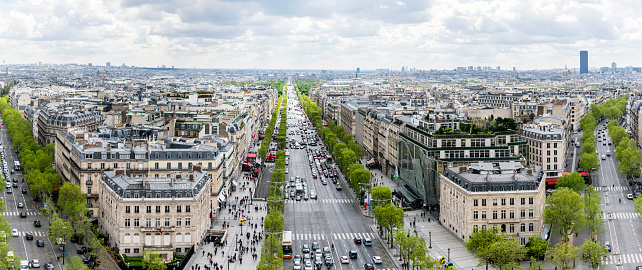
197, 168
488, 176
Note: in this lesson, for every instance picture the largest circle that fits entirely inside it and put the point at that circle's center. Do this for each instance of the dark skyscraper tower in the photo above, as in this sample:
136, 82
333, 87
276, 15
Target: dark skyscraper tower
583, 62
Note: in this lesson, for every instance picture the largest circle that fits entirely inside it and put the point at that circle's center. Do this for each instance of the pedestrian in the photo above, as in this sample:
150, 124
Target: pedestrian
203, 253
223, 253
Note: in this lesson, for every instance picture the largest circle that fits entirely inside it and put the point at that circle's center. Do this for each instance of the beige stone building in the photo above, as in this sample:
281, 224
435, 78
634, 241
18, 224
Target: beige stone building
547, 145
505, 194
169, 213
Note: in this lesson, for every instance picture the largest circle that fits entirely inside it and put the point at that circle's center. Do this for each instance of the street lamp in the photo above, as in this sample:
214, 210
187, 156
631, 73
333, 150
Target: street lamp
430, 239
448, 254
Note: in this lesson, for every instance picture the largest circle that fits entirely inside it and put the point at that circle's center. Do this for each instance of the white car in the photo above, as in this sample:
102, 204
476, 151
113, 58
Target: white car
20, 205
344, 259
34, 263
14, 232
376, 260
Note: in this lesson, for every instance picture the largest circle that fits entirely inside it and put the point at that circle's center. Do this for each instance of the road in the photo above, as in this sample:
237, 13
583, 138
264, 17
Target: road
334, 218
622, 223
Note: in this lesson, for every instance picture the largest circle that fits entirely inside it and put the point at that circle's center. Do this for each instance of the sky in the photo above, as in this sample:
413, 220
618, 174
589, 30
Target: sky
326, 34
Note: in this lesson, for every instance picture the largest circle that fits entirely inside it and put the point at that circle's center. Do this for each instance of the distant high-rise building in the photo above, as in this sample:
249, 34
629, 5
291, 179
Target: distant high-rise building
583, 62
108, 64
613, 65
498, 68
90, 64
470, 68
358, 70
514, 69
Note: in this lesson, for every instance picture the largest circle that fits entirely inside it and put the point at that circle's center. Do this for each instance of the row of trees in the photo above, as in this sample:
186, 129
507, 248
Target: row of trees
271, 251
269, 131
626, 150
304, 86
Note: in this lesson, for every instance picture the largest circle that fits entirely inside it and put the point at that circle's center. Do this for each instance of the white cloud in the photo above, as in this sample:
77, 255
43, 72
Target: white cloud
322, 33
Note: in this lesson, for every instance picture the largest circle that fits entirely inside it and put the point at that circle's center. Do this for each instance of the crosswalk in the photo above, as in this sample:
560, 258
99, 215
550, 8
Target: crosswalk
11, 213
35, 234
334, 236
626, 259
321, 200
611, 188
622, 216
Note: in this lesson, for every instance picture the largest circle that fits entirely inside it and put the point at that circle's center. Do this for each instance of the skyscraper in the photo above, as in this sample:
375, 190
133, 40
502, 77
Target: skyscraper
583, 62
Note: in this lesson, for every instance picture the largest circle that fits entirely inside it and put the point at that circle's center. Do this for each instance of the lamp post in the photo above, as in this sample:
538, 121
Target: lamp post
448, 254
430, 239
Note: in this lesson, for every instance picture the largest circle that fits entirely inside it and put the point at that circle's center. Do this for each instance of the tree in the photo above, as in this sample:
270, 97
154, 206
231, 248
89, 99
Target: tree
152, 260
72, 202
573, 181
562, 255
593, 253
537, 246
593, 212
60, 231
389, 216
273, 222
589, 162
480, 241
360, 180
381, 195
505, 253
565, 212
588, 147
75, 263
7, 262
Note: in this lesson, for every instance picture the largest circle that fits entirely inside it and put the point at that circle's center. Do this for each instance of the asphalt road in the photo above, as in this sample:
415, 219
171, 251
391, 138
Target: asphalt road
334, 218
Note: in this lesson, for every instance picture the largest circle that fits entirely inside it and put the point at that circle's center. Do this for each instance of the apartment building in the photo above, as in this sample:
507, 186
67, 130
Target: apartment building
502, 194
169, 214
53, 120
547, 147
81, 157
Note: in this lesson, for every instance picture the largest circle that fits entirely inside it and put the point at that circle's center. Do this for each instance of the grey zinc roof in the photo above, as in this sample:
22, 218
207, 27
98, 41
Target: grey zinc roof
127, 187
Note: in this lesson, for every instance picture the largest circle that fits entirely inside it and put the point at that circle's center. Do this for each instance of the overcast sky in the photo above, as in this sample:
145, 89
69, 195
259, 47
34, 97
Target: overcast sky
326, 34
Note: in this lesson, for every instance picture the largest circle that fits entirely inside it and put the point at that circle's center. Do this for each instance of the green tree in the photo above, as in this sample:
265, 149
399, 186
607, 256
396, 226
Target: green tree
389, 216
273, 222
505, 253
593, 253
72, 202
8, 262
588, 147
565, 212
595, 111
152, 260
573, 181
60, 231
593, 212
589, 162
562, 255
480, 241
75, 263
537, 246
360, 180
381, 195
5, 230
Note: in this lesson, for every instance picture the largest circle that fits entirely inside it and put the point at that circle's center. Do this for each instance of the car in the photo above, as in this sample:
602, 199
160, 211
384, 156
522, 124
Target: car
377, 260
49, 266
308, 265
15, 185
297, 265
629, 196
339, 187
608, 246
24, 191
287, 171
23, 214
603, 157
353, 254
368, 266
327, 252
36, 223
40, 243
306, 196
329, 261
34, 263
14, 232
29, 236
81, 250
344, 259
298, 197
9, 191
324, 182
367, 242
315, 245
87, 259
357, 240
313, 194
306, 248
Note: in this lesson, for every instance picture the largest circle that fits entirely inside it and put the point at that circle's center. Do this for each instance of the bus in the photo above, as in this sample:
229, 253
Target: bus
16, 165
287, 244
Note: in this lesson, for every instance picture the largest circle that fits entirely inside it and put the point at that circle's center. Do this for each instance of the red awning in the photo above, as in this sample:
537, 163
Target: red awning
251, 155
551, 180
256, 170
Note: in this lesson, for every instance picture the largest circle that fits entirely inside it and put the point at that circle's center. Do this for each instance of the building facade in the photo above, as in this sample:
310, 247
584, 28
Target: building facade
547, 145
52, 121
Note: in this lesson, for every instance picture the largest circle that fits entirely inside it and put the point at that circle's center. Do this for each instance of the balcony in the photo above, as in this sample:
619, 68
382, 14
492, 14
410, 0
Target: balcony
92, 195
155, 229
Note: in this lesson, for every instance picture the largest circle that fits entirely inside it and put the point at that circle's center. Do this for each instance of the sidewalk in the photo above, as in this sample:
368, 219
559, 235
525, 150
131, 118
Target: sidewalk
235, 233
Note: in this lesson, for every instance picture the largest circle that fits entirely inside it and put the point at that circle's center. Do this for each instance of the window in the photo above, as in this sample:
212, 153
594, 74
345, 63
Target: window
523, 213
178, 209
512, 201
127, 222
169, 165
127, 250
157, 223
531, 212
136, 222
531, 227
178, 222
136, 209
188, 208
511, 228
136, 250
115, 165
188, 222
189, 165
522, 227
530, 200
483, 202
158, 208
523, 200
128, 209
503, 214
483, 215
166, 222
494, 202
475, 202
166, 208
511, 214
89, 166
494, 214
178, 250
475, 228
149, 209
209, 165
129, 166
475, 214
148, 222
548, 145
156, 165
555, 145
503, 201
180, 165
102, 166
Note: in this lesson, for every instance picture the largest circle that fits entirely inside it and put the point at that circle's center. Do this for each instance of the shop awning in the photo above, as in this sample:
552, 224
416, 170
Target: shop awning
251, 155
551, 180
411, 197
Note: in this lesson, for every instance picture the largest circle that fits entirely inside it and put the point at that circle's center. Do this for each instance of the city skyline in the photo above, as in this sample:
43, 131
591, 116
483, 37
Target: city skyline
321, 35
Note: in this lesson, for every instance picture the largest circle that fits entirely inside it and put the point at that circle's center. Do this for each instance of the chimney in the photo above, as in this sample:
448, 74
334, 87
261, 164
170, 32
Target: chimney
197, 168
462, 169
488, 176
120, 172
108, 147
171, 177
144, 178
529, 171
191, 176
515, 175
